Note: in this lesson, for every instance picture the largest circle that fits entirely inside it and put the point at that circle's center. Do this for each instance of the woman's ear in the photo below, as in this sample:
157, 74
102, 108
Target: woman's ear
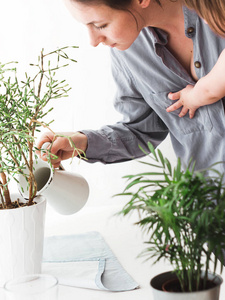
144, 3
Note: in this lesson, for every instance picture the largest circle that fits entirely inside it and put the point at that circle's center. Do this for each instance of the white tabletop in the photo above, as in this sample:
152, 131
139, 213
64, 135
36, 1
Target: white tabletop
126, 242
124, 239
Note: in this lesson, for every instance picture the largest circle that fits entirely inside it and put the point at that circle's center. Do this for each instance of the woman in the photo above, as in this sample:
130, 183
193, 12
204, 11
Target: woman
157, 47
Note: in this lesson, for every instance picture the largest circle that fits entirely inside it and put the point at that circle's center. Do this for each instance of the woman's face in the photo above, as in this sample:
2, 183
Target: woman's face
111, 27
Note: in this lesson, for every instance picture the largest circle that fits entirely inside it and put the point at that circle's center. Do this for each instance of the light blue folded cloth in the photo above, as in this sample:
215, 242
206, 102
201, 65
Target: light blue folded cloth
85, 260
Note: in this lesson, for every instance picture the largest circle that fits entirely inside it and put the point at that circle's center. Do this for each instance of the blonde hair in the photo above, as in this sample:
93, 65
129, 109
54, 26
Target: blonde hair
212, 11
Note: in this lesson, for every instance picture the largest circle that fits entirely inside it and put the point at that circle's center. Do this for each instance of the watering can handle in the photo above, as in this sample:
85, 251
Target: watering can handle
61, 168
44, 147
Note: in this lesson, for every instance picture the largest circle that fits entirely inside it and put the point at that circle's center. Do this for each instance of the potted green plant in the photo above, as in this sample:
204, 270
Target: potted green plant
23, 108
182, 211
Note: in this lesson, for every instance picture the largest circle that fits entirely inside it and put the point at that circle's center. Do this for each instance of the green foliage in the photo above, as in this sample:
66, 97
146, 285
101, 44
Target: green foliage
183, 213
23, 107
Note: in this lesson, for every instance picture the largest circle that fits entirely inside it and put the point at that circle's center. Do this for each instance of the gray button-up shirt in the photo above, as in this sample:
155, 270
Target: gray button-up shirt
145, 74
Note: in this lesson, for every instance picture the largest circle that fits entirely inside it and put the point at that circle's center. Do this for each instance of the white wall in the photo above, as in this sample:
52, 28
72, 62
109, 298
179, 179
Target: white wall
27, 26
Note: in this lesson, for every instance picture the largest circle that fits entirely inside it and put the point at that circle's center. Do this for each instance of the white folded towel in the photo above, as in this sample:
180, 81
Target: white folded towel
85, 260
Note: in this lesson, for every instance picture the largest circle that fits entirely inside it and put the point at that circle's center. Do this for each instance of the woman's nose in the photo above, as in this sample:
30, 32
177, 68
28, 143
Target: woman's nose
95, 38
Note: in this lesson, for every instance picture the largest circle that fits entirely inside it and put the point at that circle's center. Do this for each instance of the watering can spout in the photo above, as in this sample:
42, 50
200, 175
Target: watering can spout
66, 192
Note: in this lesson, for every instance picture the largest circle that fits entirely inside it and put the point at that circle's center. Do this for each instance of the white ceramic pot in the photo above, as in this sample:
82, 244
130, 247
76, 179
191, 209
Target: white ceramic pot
21, 239
158, 294
66, 192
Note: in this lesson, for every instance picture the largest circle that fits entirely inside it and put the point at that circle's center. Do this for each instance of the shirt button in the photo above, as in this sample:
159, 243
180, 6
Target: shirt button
190, 30
197, 64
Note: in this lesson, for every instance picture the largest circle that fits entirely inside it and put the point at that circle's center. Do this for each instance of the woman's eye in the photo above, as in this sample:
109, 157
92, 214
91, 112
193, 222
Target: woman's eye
101, 27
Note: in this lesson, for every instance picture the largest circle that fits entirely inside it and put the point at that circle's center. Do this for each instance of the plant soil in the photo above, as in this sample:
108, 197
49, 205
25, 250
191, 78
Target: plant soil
173, 285
16, 204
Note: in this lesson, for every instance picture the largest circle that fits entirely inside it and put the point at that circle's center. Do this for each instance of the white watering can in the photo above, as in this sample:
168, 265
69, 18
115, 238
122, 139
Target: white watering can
65, 191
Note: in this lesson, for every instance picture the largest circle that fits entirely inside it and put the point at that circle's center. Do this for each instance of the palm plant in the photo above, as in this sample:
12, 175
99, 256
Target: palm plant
23, 107
183, 213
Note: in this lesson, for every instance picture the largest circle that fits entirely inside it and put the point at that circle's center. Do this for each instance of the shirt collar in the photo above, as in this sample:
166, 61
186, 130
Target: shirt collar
160, 37
190, 20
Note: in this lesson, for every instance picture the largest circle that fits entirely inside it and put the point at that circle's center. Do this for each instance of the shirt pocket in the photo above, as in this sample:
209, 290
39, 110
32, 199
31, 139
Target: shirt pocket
200, 122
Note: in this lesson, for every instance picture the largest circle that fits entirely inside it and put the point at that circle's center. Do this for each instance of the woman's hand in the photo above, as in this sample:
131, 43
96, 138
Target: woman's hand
61, 146
186, 99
